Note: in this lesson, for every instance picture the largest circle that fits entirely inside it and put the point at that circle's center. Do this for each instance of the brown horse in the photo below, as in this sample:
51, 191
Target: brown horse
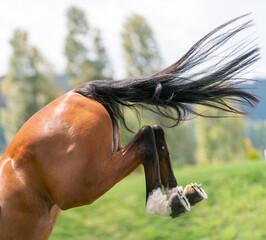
69, 153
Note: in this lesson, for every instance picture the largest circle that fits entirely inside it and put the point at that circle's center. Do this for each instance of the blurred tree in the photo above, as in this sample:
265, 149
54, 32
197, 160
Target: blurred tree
2, 136
2, 140
86, 56
181, 144
255, 130
28, 85
141, 52
180, 140
220, 139
251, 152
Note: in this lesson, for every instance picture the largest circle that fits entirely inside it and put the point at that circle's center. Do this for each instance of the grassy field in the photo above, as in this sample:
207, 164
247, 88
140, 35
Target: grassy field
235, 209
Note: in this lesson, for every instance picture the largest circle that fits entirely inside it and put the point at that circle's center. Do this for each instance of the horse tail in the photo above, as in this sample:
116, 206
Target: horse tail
205, 75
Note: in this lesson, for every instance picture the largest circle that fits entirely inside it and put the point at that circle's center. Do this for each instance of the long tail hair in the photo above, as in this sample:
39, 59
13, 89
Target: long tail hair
173, 91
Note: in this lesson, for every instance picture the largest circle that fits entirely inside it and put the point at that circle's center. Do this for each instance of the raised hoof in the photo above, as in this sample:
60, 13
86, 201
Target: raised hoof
194, 193
179, 205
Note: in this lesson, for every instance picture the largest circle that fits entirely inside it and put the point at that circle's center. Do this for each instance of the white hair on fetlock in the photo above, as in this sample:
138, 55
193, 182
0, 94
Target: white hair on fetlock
157, 204
170, 191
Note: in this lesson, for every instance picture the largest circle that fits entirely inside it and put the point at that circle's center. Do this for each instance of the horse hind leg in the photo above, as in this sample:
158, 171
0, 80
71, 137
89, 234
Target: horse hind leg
156, 202
181, 200
142, 150
179, 203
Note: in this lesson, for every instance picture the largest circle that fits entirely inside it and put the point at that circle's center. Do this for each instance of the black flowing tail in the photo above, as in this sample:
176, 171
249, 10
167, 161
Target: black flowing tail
205, 75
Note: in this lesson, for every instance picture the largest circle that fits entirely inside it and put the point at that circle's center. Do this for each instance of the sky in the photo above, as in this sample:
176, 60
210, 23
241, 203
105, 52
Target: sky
176, 24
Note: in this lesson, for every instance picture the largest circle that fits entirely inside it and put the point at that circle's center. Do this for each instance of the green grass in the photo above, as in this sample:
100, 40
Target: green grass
235, 209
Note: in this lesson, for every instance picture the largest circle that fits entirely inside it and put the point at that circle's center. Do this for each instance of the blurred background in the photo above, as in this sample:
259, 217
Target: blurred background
49, 47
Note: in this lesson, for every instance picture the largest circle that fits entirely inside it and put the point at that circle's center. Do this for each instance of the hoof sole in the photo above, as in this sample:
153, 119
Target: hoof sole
179, 205
194, 193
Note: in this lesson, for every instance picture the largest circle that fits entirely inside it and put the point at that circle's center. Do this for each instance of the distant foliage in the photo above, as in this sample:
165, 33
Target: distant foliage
255, 130
251, 152
141, 52
86, 56
220, 139
180, 140
181, 144
258, 113
28, 85
2, 140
